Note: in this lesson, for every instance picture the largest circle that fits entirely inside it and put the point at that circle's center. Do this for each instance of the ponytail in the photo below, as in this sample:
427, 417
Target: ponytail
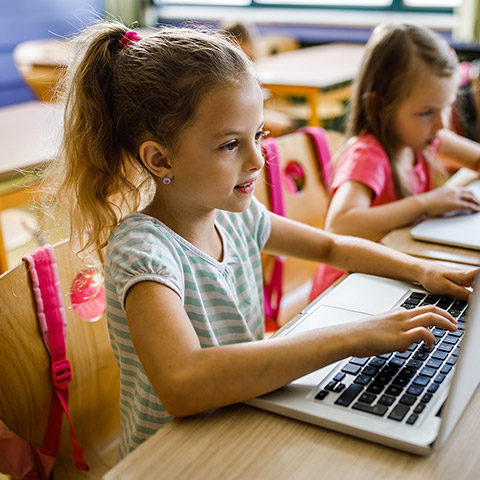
97, 181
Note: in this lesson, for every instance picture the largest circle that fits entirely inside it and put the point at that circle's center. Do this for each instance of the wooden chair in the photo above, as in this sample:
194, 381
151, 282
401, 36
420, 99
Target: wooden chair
25, 379
306, 196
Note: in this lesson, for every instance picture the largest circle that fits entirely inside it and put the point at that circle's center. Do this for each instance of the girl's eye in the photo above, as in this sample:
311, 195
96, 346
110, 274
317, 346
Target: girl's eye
230, 146
261, 135
426, 113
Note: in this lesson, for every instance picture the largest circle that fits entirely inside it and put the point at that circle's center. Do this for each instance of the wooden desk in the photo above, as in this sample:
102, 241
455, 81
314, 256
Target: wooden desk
400, 238
308, 72
241, 442
29, 136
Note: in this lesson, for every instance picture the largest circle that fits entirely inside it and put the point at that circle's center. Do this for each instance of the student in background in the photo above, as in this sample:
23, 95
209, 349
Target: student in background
276, 122
396, 139
160, 157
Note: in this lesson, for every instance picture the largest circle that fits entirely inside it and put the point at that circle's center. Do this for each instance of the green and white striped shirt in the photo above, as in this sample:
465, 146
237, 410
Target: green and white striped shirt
224, 300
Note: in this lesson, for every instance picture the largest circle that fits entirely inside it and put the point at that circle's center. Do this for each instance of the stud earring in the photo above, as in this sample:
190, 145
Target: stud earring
167, 181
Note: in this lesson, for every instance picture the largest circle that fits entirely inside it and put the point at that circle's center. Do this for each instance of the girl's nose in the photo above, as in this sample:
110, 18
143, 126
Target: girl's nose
256, 160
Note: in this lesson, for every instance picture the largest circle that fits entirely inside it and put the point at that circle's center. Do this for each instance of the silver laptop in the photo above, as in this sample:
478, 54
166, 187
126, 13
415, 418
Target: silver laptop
459, 229
410, 401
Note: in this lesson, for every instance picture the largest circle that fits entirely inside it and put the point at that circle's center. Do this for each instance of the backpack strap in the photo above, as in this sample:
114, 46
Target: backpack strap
52, 320
324, 155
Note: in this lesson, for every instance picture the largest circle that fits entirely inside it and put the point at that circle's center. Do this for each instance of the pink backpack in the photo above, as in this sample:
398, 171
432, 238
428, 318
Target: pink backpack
273, 286
18, 457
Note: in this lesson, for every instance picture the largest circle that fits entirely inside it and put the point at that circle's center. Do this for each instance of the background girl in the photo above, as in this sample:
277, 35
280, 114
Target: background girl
161, 155
396, 137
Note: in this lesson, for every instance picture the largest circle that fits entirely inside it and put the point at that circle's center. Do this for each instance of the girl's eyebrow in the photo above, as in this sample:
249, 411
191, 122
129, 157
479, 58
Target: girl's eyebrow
227, 134
233, 133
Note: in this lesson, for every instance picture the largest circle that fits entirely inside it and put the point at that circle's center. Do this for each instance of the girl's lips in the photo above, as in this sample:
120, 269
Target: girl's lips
246, 187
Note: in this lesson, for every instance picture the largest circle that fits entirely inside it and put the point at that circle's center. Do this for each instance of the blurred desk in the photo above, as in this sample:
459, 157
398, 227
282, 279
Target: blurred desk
400, 238
29, 137
244, 443
30, 134
42, 64
309, 72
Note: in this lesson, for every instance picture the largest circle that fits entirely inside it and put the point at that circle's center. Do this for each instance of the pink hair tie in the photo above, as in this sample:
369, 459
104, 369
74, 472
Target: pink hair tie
130, 37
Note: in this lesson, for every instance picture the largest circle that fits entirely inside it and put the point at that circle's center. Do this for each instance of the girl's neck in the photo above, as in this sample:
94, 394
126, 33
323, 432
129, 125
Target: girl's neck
199, 230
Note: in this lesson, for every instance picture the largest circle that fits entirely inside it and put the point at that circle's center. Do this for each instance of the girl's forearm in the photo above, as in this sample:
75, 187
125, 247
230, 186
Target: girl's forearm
346, 252
358, 255
374, 223
224, 375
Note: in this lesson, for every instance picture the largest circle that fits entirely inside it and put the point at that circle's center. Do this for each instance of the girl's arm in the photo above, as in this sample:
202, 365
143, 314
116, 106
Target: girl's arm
290, 238
459, 151
189, 379
350, 211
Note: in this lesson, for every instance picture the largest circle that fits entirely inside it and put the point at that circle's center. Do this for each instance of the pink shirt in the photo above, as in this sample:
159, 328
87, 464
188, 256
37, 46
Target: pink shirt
366, 162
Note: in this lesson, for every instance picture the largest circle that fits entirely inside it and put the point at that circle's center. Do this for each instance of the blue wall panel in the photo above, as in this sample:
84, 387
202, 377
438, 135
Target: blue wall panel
24, 20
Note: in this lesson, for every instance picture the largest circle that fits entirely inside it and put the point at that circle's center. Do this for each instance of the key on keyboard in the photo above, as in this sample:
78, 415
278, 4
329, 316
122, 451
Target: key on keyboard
400, 385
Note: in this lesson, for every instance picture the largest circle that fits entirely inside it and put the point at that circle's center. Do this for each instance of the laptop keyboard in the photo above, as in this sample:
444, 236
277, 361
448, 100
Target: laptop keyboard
399, 386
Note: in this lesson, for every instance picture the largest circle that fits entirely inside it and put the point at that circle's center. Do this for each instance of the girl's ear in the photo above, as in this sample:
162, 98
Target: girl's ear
154, 158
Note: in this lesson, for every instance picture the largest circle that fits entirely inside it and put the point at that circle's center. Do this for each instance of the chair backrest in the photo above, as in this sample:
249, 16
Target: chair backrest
25, 379
301, 160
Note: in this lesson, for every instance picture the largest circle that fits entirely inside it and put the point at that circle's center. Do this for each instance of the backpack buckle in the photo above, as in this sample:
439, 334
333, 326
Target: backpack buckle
61, 373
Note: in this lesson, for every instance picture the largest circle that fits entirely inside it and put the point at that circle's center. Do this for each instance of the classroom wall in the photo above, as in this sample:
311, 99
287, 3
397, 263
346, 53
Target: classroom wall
32, 19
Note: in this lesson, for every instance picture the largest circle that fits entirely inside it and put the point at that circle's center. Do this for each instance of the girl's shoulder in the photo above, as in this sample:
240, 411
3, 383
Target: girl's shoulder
364, 143
136, 224
141, 230
363, 161
362, 151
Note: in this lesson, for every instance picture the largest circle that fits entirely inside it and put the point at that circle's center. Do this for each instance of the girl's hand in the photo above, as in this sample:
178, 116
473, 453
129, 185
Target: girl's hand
441, 279
448, 198
397, 329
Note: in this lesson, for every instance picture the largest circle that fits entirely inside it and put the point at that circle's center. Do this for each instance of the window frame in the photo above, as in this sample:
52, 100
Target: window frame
382, 5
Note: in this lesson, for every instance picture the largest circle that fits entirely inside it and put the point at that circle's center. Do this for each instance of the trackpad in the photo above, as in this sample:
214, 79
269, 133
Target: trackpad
325, 316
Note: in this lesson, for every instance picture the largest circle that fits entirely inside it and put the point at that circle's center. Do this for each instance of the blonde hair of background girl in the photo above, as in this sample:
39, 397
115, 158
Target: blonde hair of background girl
117, 98
387, 77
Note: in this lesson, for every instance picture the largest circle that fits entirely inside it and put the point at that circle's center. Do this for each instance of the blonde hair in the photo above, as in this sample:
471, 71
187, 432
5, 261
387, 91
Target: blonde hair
387, 76
117, 98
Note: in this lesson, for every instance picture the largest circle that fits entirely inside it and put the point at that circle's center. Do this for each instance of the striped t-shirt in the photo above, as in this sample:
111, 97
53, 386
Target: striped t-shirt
224, 300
